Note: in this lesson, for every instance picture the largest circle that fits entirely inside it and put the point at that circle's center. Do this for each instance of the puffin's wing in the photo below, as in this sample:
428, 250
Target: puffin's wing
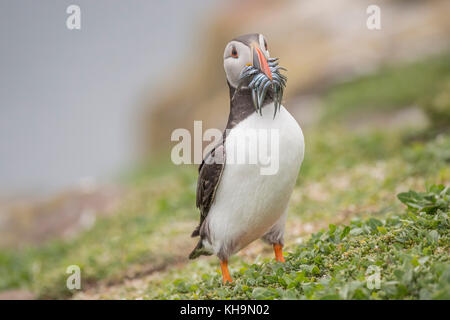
209, 174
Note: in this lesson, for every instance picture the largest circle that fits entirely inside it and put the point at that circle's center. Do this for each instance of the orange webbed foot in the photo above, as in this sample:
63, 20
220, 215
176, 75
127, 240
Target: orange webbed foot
278, 249
225, 272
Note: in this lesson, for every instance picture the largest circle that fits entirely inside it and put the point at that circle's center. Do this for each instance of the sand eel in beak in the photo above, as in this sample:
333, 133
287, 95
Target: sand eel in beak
239, 202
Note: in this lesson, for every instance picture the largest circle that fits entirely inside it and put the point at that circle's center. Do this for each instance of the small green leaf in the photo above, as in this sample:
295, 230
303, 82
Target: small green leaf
345, 232
262, 294
332, 228
433, 236
356, 231
382, 230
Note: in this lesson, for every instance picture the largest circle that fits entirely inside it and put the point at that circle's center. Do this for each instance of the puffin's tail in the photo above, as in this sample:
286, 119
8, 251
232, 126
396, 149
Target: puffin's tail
199, 250
196, 232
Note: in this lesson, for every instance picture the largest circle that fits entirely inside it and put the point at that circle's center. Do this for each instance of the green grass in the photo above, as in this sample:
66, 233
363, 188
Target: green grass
391, 87
115, 244
409, 250
347, 186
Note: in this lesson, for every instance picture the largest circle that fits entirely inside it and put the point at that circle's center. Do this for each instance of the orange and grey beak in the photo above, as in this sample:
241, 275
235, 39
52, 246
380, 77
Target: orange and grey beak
260, 62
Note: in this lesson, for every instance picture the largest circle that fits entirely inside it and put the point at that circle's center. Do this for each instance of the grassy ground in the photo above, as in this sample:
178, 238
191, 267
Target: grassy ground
344, 216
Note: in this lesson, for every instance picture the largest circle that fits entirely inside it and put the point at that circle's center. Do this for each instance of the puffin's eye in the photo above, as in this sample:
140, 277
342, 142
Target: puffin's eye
265, 44
234, 53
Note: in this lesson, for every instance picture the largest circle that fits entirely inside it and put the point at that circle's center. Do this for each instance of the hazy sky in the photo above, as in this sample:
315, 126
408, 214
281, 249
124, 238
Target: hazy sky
68, 98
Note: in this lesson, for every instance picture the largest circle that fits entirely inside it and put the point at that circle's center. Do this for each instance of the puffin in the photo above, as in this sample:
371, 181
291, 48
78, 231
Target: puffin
239, 202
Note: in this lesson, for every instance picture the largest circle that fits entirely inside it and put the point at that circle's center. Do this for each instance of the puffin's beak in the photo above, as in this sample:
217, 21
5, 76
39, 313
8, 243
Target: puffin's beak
260, 62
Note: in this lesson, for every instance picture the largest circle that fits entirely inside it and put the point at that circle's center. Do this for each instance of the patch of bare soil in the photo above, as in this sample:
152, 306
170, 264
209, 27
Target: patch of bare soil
16, 294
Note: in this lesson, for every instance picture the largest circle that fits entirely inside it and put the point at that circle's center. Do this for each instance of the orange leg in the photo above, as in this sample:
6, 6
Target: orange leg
225, 272
278, 249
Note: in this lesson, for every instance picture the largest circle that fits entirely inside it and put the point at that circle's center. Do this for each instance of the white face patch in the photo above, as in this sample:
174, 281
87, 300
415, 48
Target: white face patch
234, 64
262, 45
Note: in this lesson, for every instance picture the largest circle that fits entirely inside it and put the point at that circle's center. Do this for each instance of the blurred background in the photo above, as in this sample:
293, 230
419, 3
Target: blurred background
86, 117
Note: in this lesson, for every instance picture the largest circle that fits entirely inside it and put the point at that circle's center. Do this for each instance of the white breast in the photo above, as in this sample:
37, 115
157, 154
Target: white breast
248, 202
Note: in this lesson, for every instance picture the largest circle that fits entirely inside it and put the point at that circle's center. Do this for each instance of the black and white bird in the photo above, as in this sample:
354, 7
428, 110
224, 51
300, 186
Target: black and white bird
238, 203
